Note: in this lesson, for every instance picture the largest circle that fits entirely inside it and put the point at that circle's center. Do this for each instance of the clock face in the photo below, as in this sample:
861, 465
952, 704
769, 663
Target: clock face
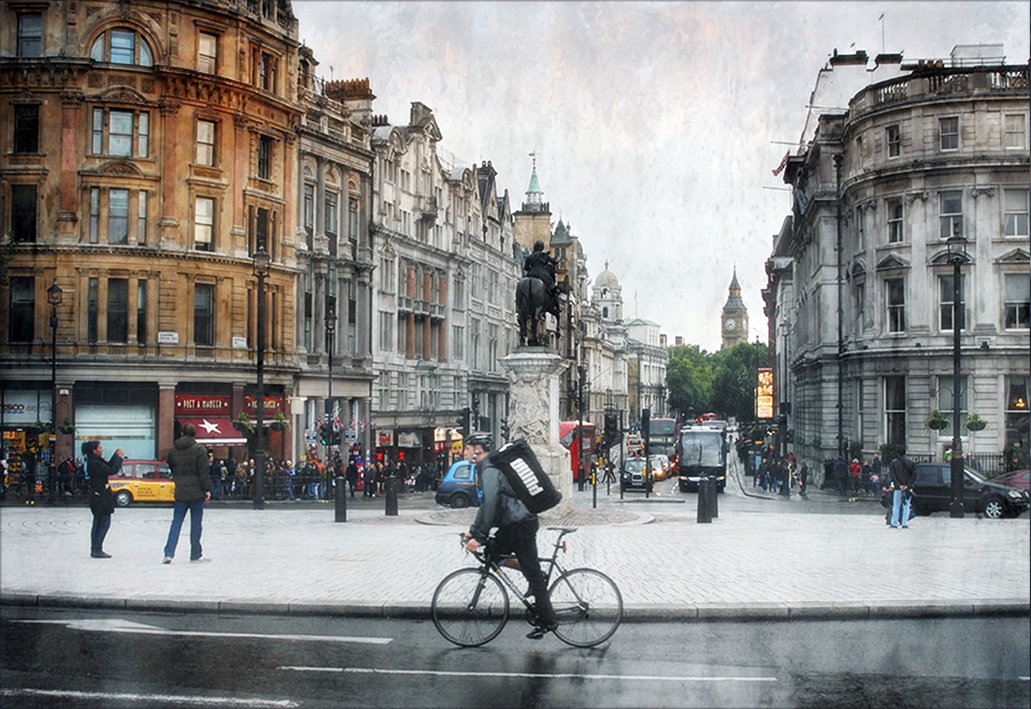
730, 324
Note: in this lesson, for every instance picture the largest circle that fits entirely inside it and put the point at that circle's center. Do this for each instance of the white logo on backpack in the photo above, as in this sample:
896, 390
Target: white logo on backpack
526, 474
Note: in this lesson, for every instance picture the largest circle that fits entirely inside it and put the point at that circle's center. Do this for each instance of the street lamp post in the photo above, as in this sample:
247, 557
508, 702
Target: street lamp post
262, 262
331, 325
957, 256
54, 294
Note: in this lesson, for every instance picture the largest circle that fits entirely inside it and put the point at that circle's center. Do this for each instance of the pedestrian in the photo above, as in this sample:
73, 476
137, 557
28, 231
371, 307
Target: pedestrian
516, 529
352, 475
369, 481
191, 473
903, 471
101, 501
214, 467
840, 475
855, 473
803, 478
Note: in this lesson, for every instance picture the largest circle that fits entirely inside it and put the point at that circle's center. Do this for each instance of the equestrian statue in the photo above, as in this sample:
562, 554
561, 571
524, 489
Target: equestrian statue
536, 294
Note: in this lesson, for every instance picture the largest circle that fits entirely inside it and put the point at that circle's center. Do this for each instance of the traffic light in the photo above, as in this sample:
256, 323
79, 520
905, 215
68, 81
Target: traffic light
326, 433
462, 422
646, 421
506, 431
611, 429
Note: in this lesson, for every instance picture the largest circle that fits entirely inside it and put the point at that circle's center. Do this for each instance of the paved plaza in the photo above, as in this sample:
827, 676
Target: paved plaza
761, 558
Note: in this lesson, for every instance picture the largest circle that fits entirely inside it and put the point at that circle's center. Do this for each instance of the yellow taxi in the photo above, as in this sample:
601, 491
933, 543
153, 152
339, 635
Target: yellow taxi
142, 481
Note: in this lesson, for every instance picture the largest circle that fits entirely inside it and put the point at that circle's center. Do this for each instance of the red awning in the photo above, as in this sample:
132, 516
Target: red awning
214, 430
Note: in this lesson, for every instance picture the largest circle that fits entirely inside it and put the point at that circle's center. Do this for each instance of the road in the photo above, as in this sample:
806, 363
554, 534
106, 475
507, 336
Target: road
65, 658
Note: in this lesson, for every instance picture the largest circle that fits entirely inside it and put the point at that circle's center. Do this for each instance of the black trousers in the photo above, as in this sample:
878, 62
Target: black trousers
521, 539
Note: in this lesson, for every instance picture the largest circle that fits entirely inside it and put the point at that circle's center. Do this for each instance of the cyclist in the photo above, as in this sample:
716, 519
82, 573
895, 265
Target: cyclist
517, 529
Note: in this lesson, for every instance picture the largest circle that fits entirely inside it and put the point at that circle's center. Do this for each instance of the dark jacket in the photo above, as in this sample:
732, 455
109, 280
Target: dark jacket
500, 506
189, 463
540, 264
903, 471
99, 470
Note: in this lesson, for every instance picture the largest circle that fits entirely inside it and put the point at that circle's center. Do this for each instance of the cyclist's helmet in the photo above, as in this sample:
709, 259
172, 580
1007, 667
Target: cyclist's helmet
480, 439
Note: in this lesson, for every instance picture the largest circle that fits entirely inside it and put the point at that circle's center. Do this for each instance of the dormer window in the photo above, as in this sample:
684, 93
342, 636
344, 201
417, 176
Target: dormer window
122, 46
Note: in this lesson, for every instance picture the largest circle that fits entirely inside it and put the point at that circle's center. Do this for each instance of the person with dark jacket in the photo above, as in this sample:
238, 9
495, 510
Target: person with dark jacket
517, 529
101, 501
190, 471
903, 472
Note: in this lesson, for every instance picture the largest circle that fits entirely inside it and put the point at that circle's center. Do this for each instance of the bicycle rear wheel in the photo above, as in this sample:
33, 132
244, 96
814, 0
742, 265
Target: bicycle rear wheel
470, 607
588, 607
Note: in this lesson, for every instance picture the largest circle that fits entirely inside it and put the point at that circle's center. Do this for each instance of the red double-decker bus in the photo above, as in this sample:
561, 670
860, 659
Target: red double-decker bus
567, 433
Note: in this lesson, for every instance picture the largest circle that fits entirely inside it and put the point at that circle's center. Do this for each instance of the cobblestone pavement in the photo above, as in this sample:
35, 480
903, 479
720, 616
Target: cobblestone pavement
760, 558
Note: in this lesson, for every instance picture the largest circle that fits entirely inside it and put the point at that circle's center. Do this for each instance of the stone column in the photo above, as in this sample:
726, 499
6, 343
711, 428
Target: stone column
533, 374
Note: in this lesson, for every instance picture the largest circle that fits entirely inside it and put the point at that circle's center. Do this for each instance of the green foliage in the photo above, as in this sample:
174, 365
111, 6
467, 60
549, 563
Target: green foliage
722, 382
937, 421
975, 422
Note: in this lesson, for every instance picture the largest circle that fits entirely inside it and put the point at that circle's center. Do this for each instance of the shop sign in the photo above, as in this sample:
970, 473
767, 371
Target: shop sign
26, 407
439, 434
189, 404
764, 394
385, 437
272, 405
408, 439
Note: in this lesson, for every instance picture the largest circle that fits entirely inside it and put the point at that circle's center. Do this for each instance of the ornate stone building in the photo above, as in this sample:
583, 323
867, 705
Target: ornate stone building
928, 164
444, 310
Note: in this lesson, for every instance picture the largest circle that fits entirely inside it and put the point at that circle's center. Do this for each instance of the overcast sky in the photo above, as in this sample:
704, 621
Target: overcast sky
657, 124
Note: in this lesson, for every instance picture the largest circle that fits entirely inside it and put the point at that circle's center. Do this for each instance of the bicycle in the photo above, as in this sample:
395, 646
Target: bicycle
471, 606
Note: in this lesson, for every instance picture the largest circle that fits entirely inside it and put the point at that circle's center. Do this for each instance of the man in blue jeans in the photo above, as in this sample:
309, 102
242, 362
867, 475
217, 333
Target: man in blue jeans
903, 471
190, 471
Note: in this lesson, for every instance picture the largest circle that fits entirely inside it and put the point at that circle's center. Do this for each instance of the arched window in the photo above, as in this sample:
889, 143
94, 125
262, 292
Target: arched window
122, 45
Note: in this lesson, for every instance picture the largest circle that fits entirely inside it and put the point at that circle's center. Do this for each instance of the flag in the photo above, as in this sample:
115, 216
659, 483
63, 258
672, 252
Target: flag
783, 164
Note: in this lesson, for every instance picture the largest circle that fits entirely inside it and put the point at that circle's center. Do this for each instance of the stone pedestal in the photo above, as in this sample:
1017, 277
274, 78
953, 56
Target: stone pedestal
533, 413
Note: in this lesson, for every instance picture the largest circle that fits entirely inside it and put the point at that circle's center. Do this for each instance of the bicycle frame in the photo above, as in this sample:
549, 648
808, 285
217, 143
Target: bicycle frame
488, 565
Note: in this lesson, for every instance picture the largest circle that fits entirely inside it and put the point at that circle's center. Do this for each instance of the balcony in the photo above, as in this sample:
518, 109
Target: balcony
405, 304
428, 209
933, 82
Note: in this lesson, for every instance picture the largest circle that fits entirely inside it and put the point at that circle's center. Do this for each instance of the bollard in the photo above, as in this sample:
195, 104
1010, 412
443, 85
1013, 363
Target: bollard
714, 497
391, 496
704, 513
341, 500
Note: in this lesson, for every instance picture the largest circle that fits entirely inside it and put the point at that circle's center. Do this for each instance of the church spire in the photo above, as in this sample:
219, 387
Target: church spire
534, 193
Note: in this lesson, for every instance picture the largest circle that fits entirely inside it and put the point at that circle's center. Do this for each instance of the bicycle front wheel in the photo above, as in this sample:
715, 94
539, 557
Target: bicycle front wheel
470, 607
588, 607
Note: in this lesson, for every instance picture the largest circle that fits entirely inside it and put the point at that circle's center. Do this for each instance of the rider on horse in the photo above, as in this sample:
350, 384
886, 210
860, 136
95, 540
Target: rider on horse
541, 265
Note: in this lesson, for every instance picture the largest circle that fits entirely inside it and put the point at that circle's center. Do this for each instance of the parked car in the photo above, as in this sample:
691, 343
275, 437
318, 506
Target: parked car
1018, 478
632, 475
932, 492
459, 488
143, 481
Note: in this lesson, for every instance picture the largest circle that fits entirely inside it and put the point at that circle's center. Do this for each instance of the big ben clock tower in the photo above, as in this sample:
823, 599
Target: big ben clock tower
735, 316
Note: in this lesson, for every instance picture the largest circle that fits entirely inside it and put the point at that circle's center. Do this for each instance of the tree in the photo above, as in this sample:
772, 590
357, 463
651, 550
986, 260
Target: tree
689, 379
734, 379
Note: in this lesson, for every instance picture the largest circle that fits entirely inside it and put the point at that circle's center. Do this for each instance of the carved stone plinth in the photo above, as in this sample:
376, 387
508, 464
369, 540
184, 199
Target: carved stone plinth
533, 413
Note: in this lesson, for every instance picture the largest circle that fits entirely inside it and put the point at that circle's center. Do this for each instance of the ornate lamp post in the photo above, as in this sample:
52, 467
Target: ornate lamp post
957, 256
54, 294
331, 324
262, 262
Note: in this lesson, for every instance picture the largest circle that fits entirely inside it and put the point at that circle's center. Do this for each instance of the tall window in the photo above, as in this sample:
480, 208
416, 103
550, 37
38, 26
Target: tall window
265, 157
386, 331
26, 128
92, 309
1016, 131
948, 133
895, 409
141, 311
492, 348
895, 295
207, 53
946, 310
896, 214
474, 344
352, 220
204, 224
386, 274
332, 205
1017, 421
122, 46
120, 133
458, 302
206, 143
268, 68
1016, 210
21, 323
118, 216
458, 342
94, 215
117, 310
204, 315
141, 218
30, 34
893, 136
950, 213
861, 228
1018, 301
946, 397
23, 213
309, 210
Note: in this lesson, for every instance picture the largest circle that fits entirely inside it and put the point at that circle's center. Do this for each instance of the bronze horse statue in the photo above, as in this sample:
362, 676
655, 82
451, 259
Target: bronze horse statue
532, 301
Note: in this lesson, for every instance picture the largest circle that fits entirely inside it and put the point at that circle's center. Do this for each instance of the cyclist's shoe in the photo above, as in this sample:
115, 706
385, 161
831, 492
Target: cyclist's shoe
540, 631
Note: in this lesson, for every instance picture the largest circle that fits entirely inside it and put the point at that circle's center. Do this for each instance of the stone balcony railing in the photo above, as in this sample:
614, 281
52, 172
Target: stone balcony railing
943, 82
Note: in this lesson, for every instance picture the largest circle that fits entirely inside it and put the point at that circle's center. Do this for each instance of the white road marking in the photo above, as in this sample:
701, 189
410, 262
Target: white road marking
147, 699
526, 675
116, 625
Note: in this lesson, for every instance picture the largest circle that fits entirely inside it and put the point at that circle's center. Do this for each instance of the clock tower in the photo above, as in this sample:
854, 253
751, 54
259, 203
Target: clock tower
734, 320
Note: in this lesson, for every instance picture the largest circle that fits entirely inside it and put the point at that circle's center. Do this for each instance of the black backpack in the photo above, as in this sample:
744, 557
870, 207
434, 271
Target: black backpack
525, 476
